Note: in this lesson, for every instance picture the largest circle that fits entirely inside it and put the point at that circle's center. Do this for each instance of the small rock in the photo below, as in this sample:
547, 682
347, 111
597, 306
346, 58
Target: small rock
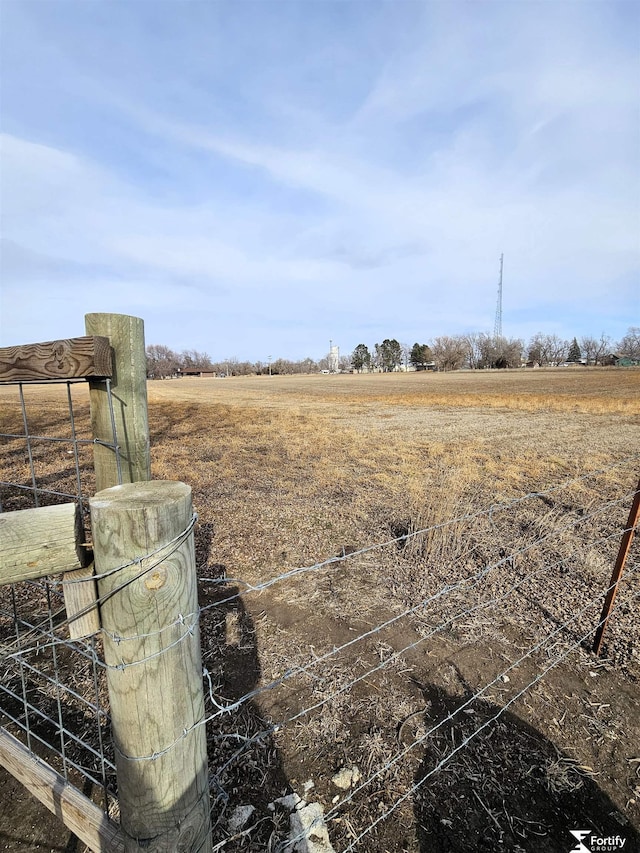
310, 830
346, 777
240, 818
288, 802
504, 679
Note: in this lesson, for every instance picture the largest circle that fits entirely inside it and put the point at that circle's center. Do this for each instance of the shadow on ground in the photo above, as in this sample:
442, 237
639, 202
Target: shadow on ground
245, 768
508, 788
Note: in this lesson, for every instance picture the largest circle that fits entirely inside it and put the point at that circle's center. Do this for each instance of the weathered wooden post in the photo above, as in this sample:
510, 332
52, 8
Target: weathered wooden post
149, 614
40, 542
129, 394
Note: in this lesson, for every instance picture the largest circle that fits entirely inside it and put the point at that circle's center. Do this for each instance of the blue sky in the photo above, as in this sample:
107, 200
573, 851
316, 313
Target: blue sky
257, 178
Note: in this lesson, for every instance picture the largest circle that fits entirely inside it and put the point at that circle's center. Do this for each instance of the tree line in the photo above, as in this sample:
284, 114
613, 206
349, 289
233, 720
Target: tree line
163, 363
446, 352
482, 351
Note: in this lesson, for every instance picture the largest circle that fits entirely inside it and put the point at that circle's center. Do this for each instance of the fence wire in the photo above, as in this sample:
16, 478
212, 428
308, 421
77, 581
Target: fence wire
410, 792
321, 684
53, 690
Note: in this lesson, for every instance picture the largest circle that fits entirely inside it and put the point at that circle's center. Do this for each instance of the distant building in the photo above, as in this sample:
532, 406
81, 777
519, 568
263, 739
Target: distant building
621, 360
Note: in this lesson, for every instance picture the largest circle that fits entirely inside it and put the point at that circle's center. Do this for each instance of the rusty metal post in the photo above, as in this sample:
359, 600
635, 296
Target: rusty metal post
625, 545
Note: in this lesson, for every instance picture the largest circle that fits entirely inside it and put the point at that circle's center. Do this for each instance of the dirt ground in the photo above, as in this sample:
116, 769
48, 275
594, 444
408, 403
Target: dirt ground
478, 716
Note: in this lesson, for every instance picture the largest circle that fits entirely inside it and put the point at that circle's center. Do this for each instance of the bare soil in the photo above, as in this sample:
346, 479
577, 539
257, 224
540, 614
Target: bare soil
531, 735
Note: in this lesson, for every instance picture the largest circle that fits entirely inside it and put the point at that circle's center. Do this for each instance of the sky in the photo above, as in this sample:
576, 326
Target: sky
258, 179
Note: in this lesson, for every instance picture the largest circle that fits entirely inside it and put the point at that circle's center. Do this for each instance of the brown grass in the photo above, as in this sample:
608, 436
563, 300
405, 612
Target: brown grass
289, 471
583, 390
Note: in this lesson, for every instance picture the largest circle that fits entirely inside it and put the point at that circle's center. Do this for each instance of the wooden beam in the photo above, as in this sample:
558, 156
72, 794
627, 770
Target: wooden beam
81, 816
81, 602
70, 358
39, 542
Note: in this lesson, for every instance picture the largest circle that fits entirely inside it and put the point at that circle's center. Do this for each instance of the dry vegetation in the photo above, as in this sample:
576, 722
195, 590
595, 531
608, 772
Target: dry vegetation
289, 472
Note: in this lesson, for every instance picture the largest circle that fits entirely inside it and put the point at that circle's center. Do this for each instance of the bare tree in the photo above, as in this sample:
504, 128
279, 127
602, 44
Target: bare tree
405, 350
161, 362
535, 351
506, 352
588, 347
547, 349
558, 349
473, 342
630, 344
602, 349
449, 353
487, 351
194, 360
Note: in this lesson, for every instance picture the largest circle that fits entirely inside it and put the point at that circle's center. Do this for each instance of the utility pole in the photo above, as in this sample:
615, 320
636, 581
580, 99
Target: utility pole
497, 328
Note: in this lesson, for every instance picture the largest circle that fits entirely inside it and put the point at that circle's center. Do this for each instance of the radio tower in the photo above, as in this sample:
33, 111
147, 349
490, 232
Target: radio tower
497, 328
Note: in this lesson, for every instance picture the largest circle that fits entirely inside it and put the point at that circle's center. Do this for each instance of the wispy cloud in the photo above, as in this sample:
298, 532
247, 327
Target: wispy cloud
238, 173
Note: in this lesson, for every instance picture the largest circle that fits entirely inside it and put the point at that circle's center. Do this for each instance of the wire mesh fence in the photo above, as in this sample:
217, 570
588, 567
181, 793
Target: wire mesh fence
53, 687
43, 467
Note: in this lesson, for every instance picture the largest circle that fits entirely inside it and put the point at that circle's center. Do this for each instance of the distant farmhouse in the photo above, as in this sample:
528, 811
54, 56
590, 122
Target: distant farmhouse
206, 374
621, 360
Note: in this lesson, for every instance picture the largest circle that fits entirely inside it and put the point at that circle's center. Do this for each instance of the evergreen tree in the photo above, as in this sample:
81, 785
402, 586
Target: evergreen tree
388, 354
361, 357
575, 353
420, 355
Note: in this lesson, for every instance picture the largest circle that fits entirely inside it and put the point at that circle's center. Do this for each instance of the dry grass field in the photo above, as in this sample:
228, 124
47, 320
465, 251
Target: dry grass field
457, 532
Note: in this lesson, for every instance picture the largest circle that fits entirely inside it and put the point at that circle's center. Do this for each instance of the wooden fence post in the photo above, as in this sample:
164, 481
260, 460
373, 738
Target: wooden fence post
151, 634
129, 390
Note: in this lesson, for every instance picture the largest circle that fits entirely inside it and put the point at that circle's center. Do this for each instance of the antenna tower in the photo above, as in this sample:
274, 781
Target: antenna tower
497, 328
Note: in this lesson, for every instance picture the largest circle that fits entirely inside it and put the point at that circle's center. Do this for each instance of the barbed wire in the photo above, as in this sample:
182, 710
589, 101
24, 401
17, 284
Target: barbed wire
162, 553
443, 591
166, 550
411, 791
341, 558
442, 626
500, 678
180, 538
305, 669
170, 547
273, 729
